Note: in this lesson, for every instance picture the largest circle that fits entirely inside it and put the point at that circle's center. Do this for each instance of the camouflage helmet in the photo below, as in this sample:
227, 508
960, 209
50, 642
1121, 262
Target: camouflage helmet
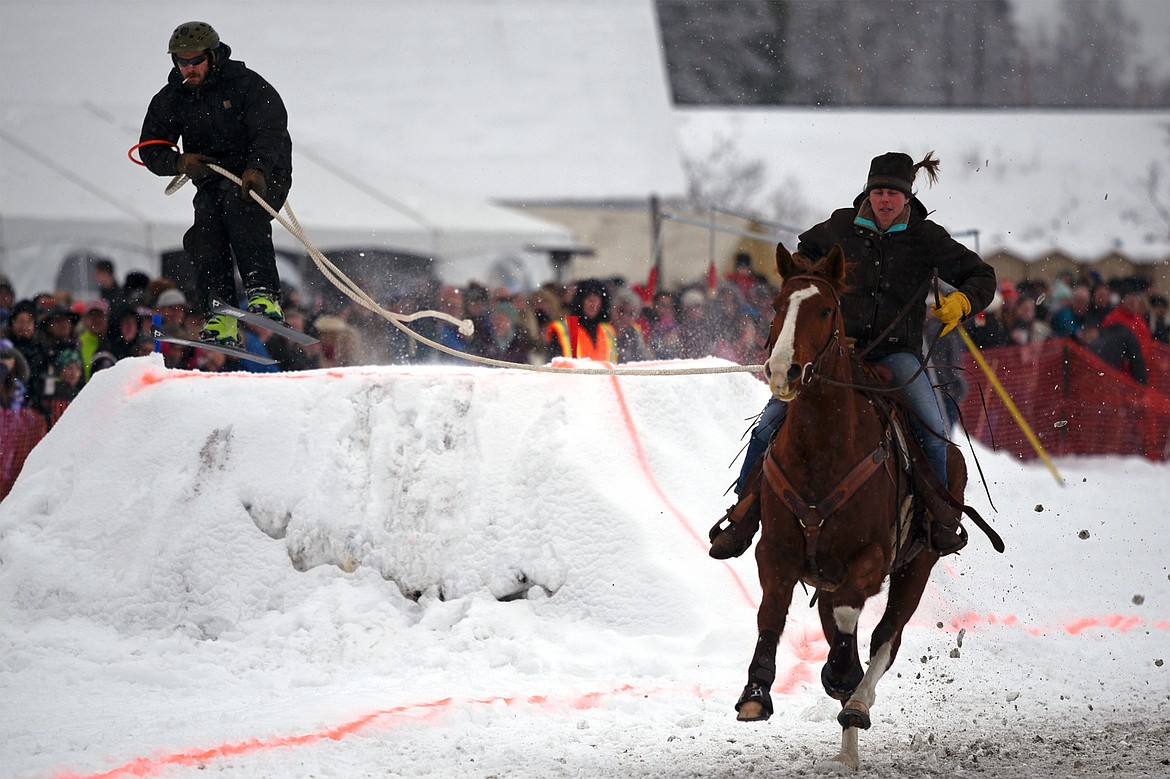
193, 36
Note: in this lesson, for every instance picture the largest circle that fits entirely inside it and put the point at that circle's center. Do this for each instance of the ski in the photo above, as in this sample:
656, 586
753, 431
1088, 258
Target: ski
240, 354
279, 328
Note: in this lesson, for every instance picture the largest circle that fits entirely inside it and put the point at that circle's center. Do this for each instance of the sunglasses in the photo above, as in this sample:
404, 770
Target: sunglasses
183, 62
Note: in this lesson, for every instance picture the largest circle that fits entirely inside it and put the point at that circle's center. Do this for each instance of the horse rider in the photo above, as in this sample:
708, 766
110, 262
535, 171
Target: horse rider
893, 249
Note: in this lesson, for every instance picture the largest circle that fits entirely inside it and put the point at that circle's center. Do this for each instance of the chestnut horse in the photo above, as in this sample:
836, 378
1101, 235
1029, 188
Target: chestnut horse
834, 502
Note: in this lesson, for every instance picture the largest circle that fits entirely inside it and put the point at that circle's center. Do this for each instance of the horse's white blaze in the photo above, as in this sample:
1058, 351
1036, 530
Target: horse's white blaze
846, 618
784, 347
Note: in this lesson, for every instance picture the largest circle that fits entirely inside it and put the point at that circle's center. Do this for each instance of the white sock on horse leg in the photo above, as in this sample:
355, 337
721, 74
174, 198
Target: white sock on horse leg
866, 692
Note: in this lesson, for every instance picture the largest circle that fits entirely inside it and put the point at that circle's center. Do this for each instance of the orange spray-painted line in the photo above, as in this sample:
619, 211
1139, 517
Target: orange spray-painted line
644, 463
418, 712
1120, 623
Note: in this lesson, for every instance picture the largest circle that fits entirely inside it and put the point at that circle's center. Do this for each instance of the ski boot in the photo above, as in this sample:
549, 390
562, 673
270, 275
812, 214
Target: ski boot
265, 302
223, 330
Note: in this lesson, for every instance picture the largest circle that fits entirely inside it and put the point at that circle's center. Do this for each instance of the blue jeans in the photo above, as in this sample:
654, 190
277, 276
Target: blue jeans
919, 395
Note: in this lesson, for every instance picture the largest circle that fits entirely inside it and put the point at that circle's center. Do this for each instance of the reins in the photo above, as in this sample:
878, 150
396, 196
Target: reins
882, 336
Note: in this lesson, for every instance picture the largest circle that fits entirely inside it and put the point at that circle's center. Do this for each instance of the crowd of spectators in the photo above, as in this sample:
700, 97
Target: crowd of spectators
1119, 319
51, 345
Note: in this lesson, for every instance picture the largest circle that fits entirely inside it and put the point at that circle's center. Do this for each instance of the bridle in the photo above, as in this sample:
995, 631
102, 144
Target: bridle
810, 372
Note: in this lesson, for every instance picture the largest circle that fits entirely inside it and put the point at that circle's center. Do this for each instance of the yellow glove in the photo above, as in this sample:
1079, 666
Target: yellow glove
950, 310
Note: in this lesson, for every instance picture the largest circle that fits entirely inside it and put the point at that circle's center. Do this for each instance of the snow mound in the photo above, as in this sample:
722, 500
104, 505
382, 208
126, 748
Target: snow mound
405, 482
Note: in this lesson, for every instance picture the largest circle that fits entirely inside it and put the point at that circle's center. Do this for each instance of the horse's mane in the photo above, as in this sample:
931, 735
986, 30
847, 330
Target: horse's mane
806, 267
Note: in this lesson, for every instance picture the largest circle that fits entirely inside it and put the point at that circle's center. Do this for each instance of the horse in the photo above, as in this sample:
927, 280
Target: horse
835, 502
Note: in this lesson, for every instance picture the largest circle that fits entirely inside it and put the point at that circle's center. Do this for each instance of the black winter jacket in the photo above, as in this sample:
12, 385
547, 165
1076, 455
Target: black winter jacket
887, 269
235, 116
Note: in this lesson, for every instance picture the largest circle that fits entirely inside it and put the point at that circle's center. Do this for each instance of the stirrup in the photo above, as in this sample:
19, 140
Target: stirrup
732, 537
959, 542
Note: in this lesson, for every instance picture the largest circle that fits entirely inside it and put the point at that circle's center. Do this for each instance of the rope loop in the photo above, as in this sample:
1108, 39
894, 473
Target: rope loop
137, 146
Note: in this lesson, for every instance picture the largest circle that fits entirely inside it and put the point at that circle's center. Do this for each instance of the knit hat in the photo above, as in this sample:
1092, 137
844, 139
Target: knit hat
68, 357
892, 170
692, 297
26, 306
895, 170
587, 287
101, 361
170, 297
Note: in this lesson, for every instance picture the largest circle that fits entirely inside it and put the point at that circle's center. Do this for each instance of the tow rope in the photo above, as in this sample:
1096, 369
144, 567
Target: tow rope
338, 279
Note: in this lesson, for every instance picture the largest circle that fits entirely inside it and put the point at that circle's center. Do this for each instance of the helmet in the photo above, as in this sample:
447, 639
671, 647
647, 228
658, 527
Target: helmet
193, 36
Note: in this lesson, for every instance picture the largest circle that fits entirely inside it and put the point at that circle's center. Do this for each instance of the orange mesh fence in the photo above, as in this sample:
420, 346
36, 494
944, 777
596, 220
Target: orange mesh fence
20, 431
1074, 402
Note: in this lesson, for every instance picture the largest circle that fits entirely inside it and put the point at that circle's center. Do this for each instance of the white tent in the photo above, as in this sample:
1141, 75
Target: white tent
518, 101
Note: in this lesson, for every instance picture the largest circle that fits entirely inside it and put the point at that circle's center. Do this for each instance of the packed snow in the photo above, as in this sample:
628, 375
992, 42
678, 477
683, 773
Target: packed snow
455, 571
458, 571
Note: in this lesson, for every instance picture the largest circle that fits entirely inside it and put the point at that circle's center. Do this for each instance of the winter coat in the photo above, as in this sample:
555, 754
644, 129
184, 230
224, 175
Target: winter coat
235, 116
886, 270
1117, 345
1136, 324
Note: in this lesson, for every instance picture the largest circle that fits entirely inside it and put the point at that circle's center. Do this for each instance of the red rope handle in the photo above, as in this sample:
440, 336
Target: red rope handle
138, 146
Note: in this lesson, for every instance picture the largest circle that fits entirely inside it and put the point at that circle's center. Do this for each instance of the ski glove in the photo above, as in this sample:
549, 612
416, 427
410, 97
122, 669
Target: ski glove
253, 181
950, 310
194, 165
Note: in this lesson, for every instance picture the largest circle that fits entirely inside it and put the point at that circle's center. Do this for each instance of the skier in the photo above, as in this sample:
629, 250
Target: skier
228, 115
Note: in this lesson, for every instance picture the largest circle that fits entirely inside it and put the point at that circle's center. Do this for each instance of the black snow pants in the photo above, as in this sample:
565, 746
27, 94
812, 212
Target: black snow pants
227, 224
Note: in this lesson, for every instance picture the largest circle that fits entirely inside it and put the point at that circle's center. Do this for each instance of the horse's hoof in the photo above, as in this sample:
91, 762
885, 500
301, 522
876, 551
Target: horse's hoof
854, 715
847, 760
752, 712
755, 705
841, 691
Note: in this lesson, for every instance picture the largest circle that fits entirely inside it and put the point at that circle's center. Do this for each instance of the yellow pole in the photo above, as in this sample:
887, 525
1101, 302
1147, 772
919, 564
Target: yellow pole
1011, 407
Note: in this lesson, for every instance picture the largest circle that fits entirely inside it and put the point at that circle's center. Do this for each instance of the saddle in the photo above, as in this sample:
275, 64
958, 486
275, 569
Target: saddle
926, 487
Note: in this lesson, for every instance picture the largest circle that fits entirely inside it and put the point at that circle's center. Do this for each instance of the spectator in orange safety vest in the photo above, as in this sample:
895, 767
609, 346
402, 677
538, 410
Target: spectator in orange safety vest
586, 333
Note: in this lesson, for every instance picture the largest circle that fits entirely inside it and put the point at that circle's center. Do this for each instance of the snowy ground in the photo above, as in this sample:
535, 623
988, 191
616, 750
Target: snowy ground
467, 572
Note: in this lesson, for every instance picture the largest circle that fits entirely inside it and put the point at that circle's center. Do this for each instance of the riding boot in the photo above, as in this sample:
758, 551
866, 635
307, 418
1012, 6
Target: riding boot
732, 535
947, 535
